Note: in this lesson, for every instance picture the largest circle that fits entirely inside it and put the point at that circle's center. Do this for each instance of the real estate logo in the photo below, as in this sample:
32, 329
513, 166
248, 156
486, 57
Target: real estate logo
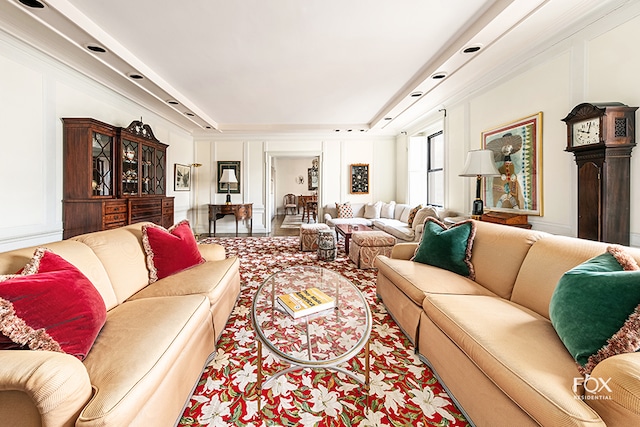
595, 388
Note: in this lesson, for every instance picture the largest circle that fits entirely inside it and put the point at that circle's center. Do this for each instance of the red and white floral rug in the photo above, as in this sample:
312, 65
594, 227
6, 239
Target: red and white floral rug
403, 390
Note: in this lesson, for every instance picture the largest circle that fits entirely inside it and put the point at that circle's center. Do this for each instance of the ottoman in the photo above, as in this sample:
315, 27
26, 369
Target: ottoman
366, 245
309, 236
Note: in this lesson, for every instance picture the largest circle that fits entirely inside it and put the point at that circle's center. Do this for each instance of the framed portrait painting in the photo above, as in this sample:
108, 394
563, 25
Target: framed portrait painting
517, 154
234, 187
181, 177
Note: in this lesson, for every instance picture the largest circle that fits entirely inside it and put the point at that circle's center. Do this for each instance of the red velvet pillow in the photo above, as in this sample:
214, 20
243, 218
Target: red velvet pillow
169, 251
50, 305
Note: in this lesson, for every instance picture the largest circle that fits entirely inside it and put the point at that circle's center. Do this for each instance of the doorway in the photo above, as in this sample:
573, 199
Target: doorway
298, 173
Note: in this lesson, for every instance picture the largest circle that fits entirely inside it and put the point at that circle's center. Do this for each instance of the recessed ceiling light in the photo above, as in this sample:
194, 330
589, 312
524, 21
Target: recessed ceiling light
189, 113
32, 3
439, 75
172, 102
416, 94
337, 130
96, 48
135, 76
472, 49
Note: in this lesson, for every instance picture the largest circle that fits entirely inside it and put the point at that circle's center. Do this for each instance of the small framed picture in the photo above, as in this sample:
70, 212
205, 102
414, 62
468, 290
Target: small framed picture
313, 178
181, 177
234, 187
359, 178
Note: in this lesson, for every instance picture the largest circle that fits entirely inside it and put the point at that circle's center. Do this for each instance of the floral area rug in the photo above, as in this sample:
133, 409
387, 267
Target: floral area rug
403, 390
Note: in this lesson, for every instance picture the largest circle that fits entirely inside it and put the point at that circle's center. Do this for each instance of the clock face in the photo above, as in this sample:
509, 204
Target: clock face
586, 132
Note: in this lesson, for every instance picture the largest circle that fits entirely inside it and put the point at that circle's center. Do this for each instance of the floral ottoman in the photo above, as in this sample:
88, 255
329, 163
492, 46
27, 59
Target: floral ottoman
309, 236
366, 245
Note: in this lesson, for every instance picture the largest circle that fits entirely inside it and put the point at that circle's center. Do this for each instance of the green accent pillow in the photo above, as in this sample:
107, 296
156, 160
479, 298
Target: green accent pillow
447, 248
595, 308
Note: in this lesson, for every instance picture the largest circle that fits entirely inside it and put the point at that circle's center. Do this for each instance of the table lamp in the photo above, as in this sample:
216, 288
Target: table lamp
228, 177
479, 163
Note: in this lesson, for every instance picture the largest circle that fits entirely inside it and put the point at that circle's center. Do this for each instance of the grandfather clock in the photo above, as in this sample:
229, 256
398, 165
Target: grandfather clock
601, 137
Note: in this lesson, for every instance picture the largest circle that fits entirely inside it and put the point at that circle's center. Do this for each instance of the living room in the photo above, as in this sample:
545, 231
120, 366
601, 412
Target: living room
588, 61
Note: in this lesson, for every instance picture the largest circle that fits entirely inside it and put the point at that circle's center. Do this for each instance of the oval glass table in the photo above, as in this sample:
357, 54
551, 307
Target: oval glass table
322, 340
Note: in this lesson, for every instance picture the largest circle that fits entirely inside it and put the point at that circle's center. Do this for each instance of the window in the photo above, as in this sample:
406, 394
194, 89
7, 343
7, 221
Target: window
426, 168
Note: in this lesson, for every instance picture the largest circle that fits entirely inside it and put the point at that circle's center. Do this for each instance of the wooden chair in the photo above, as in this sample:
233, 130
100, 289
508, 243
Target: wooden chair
311, 208
290, 203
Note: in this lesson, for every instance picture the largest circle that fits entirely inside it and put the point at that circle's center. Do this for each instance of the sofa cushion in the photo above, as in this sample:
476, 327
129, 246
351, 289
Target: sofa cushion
409, 277
388, 210
402, 213
344, 210
412, 214
140, 344
50, 305
448, 248
169, 251
372, 210
209, 279
595, 308
518, 350
422, 215
396, 228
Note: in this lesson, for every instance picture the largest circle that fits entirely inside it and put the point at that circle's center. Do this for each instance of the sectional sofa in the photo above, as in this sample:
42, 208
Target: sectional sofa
491, 340
392, 218
149, 354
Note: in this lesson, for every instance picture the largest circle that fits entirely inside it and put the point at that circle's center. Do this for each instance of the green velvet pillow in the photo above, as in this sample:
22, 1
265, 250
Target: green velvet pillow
595, 308
448, 248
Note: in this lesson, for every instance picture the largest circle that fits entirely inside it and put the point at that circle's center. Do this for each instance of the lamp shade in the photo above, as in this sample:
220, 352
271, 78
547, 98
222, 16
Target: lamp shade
228, 176
480, 163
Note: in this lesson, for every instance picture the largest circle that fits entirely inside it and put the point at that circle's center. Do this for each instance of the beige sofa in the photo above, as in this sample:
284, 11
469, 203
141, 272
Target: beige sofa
491, 342
395, 223
148, 356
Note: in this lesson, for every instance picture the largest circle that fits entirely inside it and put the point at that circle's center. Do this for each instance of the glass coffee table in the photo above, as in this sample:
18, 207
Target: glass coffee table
322, 340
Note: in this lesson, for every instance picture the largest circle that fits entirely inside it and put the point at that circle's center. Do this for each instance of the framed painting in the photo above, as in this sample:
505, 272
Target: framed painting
234, 187
181, 177
359, 178
517, 153
313, 179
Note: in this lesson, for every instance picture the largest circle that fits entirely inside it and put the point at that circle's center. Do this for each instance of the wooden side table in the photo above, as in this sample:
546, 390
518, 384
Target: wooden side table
514, 220
239, 211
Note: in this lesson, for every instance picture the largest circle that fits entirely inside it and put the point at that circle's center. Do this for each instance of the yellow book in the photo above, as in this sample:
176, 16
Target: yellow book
306, 302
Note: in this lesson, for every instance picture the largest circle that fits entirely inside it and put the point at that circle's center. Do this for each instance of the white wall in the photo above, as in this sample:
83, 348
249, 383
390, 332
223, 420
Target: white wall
37, 92
335, 157
599, 64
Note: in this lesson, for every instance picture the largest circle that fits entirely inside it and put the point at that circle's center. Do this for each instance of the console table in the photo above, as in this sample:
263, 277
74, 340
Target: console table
239, 211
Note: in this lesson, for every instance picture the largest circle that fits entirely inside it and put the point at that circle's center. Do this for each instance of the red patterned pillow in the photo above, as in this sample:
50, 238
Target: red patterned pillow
169, 251
50, 305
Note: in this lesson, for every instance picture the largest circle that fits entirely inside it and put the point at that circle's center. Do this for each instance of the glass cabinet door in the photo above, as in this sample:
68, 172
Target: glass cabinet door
148, 169
129, 168
160, 172
102, 156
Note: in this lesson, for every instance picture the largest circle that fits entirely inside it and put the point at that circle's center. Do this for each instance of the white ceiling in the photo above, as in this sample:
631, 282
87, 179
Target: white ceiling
296, 65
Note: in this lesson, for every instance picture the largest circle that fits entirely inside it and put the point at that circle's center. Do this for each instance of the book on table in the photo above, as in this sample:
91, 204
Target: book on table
308, 301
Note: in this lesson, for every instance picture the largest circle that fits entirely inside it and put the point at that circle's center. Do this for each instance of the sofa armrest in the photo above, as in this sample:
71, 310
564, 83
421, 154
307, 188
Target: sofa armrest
212, 252
327, 217
403, 250
56, 385
613, 389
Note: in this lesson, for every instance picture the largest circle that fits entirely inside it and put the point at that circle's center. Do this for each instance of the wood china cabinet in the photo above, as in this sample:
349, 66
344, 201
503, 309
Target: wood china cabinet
113, 176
